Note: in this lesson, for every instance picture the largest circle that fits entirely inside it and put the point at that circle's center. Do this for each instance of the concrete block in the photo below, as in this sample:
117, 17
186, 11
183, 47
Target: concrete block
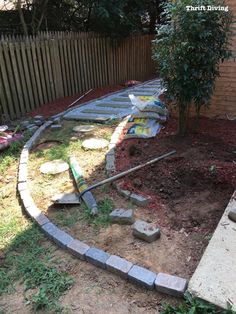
78, 248
118, 265
22, 173
57, 235
142, 276
139, 199
122, 216
146, 231
172, 285
232, 214
22, 186
97, 257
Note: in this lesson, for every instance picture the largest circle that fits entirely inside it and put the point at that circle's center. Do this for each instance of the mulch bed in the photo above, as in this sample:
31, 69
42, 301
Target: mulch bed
59, 105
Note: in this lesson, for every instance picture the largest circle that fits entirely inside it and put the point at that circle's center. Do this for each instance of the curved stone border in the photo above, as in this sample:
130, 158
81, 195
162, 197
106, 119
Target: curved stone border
137, 199
172, 285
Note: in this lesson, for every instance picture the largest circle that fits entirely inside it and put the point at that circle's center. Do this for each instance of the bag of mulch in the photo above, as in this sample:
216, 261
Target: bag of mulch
149, 103
136, 114
143, 130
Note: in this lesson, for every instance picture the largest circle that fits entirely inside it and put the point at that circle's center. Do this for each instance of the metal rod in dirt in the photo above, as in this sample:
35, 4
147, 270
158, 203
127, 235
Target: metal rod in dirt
124, 173
81, 97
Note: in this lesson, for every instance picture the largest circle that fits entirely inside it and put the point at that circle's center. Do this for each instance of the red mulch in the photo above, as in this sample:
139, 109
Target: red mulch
192, 188
59, 105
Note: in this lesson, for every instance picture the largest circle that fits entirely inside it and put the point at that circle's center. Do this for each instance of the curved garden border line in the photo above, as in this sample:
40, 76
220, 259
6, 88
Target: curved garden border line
165, 283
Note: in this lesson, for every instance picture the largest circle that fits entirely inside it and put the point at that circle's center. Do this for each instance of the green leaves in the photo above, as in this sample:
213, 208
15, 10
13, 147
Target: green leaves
188, 49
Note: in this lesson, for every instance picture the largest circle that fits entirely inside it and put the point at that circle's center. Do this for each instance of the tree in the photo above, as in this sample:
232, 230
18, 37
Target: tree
188, 49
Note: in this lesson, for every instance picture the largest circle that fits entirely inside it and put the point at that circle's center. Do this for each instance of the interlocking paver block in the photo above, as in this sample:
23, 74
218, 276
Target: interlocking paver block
146, 231
97, 257
78, 248
59, 236
142, 276
169, 284
139, 199
118, 265
122, 216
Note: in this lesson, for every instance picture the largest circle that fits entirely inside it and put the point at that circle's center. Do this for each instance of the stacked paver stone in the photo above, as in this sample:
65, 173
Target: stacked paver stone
161, 282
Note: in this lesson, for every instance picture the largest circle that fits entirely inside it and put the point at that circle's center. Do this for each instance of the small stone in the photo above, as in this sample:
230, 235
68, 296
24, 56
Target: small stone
95, 143
232, 214
139, 199
66, 198
84, 128
54, 167
146, 231
122, 216
142, 276
172, 285
55, 126
97, 257
78, 248
118, 265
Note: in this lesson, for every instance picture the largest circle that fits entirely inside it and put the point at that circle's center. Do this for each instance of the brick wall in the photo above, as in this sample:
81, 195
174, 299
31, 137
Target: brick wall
224, 98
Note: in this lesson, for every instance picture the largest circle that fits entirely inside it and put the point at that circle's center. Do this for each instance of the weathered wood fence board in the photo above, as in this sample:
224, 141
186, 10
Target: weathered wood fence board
37, 70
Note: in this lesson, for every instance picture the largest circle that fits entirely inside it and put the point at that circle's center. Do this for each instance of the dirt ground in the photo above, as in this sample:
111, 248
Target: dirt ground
189, 194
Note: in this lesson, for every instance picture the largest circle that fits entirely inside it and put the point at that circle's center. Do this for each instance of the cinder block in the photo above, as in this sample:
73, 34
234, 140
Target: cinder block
57, 235
169, 284
118, 265
78, 248
142, 276
97, 257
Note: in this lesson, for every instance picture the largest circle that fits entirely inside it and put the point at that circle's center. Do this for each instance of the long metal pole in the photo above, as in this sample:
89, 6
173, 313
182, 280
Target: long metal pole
122, 174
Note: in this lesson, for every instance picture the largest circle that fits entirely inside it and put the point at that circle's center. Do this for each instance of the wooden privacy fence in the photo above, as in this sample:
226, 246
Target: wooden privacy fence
37, 70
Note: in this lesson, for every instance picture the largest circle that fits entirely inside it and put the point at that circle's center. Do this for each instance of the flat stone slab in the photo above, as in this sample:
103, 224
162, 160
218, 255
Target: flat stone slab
54, 167
139, 199
66, 198
55, 126
83, 117
142, 276
121, 99
95, 143
122, 216
172, 285
97, 257
146, 231
78, 248
84, 128
100, 111
113, 105
118, 265
214, 279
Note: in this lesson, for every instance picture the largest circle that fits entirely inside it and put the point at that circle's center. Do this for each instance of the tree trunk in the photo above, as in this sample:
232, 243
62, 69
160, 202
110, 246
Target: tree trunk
22, 19
182, 119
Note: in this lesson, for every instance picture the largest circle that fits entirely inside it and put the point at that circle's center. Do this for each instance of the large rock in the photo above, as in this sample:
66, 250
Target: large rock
146, 231
122, 216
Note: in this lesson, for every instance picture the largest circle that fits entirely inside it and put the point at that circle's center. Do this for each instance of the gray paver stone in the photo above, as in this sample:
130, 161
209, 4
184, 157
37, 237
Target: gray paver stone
41, 219
139, 199
38, 117
57, 235
118, 265
142, 276
55, 126
110, 163
23, 172
22, 186
122, 216
38, 122
97, 257
232, 214
169, 284
78, 248
146, 231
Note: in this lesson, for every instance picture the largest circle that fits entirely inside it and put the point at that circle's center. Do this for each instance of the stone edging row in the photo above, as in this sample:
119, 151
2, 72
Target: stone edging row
165, 283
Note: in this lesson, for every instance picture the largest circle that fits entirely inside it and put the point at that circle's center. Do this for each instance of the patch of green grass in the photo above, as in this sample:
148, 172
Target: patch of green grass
102, 219
28, 262
67, 220
195, 306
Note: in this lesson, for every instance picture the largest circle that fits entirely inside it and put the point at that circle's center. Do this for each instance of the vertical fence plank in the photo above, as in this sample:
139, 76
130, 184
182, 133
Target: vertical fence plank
3, 101
36, 73
42, 77
46, 70
6, 86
